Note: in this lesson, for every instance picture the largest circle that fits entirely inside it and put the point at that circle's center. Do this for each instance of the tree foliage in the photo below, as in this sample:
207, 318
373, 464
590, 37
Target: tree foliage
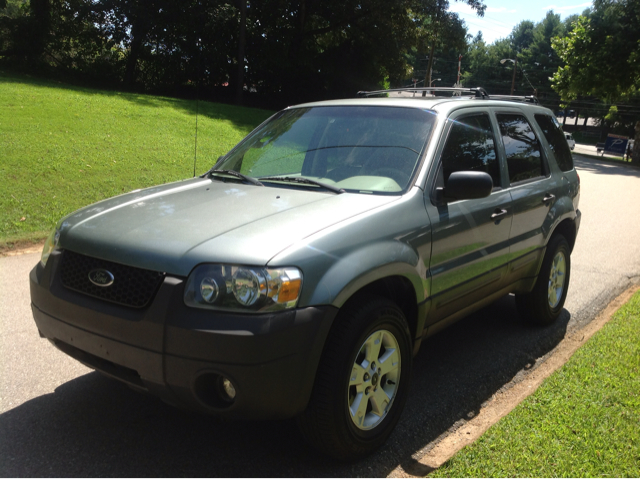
601, 58
531, 44
287, 50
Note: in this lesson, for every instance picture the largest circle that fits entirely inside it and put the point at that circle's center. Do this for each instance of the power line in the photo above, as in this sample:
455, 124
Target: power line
489, 19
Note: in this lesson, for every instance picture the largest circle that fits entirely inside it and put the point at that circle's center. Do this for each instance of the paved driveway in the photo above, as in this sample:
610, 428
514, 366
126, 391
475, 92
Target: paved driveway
58, 418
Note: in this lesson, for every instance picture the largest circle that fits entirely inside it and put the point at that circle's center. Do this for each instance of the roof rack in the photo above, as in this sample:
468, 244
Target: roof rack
524, 99
476, 92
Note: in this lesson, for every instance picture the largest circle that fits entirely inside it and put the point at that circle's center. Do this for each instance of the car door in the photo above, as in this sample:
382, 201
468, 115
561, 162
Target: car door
470, 238
532, 188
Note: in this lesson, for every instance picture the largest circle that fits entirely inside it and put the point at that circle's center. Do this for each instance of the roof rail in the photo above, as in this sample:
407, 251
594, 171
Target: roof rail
523, 99
477, 92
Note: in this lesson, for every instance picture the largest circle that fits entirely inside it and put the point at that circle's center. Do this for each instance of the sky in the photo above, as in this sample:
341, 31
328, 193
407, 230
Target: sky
502, 15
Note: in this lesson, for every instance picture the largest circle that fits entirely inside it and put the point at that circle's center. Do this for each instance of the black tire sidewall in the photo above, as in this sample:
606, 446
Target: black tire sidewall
366, 317
556, 245
384, 428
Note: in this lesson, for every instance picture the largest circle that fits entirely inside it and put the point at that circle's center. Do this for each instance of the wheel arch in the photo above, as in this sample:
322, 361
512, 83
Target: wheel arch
392, 269
566, 228
401, 292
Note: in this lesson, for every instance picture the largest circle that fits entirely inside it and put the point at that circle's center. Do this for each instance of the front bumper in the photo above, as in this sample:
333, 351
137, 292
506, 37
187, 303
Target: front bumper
179, 353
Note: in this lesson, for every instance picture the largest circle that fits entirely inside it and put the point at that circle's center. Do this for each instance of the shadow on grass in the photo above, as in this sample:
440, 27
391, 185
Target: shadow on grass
94, 426
241, 117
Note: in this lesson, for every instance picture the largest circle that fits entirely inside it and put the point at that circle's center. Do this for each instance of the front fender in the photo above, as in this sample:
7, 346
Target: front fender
391, 240
366, 265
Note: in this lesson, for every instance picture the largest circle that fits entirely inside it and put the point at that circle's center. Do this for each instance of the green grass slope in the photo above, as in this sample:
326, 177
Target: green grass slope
63, 147
584, 421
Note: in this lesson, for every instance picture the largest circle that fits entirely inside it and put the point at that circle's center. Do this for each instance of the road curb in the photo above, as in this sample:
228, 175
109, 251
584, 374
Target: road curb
507, 398
31, 248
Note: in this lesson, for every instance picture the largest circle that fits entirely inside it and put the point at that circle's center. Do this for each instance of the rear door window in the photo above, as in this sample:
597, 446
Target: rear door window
522, 148
556, 139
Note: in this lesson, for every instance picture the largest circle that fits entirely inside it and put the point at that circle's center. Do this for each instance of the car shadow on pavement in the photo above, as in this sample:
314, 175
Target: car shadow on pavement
95, 426
604, 167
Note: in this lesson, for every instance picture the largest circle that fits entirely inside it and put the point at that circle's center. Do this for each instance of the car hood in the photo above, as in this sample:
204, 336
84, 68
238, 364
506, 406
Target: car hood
174, 227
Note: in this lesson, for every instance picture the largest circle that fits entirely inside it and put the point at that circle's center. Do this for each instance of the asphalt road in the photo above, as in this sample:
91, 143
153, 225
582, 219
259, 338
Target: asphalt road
58, 418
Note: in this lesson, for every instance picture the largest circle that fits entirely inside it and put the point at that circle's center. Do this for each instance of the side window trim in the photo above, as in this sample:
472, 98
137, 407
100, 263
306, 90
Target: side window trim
544, 145
500, 151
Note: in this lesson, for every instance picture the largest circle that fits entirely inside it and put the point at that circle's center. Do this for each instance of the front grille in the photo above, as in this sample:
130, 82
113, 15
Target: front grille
131, 286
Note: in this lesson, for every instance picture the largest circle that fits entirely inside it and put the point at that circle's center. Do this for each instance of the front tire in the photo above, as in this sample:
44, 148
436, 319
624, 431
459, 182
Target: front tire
362, 381
544, 304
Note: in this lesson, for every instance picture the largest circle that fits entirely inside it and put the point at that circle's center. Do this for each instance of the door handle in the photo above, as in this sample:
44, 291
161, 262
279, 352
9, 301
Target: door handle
548, 197
498, 212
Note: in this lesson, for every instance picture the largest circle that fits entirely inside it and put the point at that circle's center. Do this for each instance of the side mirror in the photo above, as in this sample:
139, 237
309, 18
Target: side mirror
467, 185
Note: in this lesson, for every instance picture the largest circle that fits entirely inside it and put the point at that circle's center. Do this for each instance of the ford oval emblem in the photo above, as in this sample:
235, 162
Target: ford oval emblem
101, 277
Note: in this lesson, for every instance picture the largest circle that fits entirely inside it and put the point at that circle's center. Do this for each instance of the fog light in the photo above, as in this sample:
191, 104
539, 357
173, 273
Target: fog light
227, 390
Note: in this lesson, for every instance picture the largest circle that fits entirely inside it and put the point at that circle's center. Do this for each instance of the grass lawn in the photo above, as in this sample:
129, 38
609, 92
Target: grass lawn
584, 421
64, 147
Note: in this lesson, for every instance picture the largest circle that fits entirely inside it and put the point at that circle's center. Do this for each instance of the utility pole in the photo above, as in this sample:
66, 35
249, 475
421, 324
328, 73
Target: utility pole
440, 11
241, 44
427, 77
513, 80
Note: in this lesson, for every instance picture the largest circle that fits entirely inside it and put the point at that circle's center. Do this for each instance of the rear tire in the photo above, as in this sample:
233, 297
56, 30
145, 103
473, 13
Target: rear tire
544, 304
362, 380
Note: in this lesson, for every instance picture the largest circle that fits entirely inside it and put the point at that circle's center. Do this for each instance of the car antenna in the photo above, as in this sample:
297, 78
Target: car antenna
195, 146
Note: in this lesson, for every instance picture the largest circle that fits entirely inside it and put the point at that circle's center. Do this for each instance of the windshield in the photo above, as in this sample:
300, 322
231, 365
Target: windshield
369, 149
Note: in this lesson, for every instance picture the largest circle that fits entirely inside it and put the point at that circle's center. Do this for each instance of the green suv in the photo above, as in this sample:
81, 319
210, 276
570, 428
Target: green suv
299, 276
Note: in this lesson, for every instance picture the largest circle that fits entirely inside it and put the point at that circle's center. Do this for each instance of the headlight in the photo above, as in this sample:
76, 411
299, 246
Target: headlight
49, 245
229, 287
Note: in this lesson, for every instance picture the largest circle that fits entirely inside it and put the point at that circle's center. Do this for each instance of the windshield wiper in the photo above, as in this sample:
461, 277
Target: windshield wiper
245, 178
303, 181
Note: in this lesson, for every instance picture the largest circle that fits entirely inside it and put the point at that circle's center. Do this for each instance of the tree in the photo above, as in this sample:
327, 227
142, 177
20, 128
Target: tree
483, 68
602, 56
522, 35
438, 22
437, 48
281, 51
538, 59
531, 44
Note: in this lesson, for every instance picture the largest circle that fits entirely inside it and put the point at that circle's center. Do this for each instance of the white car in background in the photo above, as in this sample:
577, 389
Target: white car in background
570, 140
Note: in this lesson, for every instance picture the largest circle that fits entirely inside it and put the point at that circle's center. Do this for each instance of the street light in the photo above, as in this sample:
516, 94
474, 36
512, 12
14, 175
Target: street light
515, 62
415, 84
436, 79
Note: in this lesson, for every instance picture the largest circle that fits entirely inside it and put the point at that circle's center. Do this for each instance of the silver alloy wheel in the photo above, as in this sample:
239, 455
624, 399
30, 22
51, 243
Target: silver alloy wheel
556, 279
374, 380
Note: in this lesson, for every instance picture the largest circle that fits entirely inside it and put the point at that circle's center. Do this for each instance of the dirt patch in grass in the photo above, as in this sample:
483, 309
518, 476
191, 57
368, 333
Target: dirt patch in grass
14, 248
505, 400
